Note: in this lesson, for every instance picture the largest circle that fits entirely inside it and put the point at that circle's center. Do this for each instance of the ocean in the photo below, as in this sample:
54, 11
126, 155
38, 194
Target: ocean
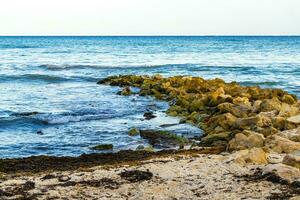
54, 78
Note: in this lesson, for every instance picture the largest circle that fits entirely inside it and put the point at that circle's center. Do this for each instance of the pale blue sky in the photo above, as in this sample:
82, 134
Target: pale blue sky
150, 17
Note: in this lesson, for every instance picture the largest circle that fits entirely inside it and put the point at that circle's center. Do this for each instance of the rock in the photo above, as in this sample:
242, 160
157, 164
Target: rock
133, 132
280, 173
275, 158
294, 119
288, 99
266, 131
256, 106
279, 144
251, 156
149, 115
245, 140
241, 100
226, 121
103, 147
213, 139
292, 160
27, 114
246, 123
279, 122
288, 110
63, 178
140, 147
236, 110
158, 138
125, 91
270, 105
143, 148
293, 134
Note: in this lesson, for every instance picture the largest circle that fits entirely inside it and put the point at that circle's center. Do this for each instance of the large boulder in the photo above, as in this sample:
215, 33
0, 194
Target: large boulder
247, 123
245, 140
288, 110
239, 110
270, 105
275, 143
288, 99
251, 156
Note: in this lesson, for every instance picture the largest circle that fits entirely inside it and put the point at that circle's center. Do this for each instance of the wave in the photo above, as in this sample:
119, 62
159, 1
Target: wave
56, 118
10, 46
261, 83
67, 66
33, 77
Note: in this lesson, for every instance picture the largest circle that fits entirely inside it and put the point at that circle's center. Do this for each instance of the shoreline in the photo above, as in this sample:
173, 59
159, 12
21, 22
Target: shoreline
250, 149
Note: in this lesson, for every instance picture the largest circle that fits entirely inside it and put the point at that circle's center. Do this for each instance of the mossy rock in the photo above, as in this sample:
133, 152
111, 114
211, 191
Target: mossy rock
162, 138
134, 132
102, 147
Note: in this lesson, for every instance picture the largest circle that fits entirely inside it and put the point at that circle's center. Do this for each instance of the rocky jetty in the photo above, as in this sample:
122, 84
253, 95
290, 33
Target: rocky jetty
238, 117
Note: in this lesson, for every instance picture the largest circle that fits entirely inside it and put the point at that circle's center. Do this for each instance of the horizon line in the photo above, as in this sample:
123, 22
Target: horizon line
273, 35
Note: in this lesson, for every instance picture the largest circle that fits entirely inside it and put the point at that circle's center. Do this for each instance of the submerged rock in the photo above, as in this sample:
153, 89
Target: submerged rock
125, 91
103, 147
133, 132
149, 115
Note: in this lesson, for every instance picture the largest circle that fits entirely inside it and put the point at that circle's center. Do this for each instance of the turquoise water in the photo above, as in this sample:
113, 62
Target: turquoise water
56, 77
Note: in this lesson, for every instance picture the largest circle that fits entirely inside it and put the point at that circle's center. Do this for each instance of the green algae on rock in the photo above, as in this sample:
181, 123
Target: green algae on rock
133, 132
159, 138
103, 147
221, 109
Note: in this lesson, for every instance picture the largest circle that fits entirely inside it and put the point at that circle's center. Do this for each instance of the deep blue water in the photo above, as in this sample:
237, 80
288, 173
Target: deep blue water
56, 77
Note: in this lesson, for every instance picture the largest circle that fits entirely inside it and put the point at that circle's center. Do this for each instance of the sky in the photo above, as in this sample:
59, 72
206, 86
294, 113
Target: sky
150, 17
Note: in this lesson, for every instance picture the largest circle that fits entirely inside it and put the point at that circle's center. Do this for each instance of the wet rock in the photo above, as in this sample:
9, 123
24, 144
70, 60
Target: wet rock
149, 115
103, 147
143, 148
158, 138
136, 175
27, 114
251, 156
245, 140
125, 91
279, 144
280, 173
215, 139
133, 132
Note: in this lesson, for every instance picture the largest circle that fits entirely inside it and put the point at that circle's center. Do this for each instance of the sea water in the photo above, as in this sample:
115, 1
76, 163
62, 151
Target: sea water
55, 77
